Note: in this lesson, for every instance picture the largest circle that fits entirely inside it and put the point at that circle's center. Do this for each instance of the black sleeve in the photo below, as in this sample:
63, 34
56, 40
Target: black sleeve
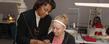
51, 35
71, 40
21, 37
44, 28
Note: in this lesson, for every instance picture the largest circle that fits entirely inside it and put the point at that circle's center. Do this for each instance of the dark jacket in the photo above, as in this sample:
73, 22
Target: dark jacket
68, 39
27, 28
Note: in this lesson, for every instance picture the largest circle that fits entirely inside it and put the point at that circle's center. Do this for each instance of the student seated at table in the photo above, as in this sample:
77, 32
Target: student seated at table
58, 34
98, 26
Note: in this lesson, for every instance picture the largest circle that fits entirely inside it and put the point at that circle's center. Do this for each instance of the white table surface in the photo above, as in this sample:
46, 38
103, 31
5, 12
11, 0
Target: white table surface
80, 40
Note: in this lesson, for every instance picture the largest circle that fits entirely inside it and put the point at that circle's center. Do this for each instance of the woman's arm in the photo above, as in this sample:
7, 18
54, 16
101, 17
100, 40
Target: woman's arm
21, 37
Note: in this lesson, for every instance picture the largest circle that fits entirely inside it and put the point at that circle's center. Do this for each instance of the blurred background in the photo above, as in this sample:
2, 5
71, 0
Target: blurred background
79, 16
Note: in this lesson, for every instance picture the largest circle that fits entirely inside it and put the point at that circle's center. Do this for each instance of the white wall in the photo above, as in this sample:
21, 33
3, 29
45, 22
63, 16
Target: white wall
105, 13
63, 5
12, 1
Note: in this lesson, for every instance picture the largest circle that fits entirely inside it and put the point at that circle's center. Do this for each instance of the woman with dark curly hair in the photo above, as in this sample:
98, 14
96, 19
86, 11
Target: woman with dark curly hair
33, 24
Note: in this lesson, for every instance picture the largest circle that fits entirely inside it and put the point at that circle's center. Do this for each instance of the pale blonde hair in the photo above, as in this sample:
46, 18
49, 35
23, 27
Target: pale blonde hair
62, 18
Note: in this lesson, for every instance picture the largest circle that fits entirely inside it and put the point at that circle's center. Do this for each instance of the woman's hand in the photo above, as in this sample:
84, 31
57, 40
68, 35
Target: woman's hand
47, 41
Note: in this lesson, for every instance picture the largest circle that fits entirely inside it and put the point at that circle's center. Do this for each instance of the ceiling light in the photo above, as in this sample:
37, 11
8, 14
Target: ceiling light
106, 5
